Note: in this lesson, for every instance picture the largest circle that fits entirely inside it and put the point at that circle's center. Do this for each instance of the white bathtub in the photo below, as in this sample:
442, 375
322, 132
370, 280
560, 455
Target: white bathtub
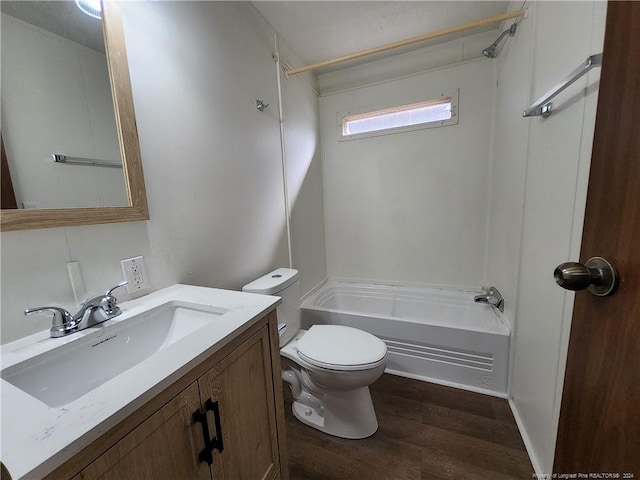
431, 334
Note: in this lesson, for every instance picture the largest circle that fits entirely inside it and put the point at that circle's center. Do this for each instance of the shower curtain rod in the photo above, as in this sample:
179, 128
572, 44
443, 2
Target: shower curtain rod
408, 41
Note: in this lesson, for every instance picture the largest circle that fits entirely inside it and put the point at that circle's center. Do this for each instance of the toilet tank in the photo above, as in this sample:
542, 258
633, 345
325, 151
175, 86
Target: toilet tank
283, 283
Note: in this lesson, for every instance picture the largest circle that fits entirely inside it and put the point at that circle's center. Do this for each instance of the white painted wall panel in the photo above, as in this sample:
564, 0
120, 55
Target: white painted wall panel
304, 172
508, 162
547, 202
411, 207
215, 182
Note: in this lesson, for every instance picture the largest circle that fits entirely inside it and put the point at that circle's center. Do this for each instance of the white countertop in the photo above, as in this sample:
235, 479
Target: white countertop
37, 438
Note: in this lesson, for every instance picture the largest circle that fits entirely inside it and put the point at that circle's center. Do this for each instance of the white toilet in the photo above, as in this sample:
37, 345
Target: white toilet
328, 367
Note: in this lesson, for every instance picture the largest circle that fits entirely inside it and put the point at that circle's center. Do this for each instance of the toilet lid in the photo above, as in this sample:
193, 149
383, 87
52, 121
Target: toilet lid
340, 347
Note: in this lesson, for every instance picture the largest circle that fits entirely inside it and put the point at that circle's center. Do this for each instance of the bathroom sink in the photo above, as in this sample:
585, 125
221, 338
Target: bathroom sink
58, 395
77, 367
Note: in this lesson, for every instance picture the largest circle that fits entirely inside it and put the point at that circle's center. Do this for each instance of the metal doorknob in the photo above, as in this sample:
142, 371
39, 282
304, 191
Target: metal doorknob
598, 275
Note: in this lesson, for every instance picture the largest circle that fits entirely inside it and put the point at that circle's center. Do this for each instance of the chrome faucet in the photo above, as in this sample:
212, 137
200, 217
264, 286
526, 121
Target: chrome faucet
94, 311
492, 297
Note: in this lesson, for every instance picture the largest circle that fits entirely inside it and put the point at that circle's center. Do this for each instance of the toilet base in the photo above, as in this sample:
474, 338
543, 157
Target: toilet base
347, 414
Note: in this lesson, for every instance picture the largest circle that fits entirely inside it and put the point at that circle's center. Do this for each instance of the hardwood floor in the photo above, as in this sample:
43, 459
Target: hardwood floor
426, 431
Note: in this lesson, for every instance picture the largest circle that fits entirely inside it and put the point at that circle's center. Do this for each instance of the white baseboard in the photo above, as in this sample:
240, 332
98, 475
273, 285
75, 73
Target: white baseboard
527, 441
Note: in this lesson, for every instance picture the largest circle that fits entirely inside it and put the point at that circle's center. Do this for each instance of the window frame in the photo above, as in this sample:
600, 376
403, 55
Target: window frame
391, 106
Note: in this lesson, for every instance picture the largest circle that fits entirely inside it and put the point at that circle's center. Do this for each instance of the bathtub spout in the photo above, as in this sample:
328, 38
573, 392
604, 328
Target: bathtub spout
492, 297
299, 395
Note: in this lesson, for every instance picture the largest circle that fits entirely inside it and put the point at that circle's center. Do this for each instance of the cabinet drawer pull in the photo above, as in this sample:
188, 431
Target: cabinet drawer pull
205, 454
216, 442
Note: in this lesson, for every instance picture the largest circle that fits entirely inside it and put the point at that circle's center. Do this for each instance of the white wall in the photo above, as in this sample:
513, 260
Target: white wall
301, 107
212, 167
539, 179
411, 207
56, 98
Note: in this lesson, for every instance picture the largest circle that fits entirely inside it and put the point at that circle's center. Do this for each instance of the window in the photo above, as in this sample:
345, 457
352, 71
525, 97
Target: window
413, 116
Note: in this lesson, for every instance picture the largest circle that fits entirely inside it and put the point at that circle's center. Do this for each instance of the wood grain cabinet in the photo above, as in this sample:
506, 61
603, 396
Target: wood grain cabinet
242, 384
226, 424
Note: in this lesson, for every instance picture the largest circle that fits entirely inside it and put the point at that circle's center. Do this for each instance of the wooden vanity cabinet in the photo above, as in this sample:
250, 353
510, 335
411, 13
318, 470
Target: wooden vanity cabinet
242, 384
168, 444
163, 447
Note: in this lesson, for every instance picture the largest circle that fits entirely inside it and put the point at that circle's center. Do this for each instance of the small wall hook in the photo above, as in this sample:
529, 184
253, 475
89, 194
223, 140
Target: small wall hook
260, 105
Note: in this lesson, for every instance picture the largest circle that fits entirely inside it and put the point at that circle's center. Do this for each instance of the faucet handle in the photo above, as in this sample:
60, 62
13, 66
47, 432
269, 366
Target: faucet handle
60, 315
63, 321
95, 300
108, 292
109, 303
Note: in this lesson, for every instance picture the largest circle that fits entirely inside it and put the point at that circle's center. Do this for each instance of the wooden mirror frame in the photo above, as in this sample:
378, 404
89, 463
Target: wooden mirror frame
129, 148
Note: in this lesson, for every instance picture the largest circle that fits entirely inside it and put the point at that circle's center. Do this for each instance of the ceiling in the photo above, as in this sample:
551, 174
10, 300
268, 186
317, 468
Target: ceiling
321, 30
63, 18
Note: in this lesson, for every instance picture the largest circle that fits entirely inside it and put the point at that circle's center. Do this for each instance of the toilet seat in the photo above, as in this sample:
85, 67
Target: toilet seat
337, 347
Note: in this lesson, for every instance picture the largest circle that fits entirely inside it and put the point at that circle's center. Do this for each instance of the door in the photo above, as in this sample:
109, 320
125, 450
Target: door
164, 447
599, 429
242, 386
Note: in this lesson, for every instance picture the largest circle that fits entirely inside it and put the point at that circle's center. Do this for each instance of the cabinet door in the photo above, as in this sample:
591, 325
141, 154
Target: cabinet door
165, 446
243, 387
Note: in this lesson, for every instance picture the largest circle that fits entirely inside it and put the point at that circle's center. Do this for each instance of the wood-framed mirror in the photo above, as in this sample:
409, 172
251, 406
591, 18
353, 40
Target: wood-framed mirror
125, 124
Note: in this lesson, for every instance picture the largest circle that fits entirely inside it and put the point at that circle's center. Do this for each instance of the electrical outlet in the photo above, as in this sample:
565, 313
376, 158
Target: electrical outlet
135, 274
